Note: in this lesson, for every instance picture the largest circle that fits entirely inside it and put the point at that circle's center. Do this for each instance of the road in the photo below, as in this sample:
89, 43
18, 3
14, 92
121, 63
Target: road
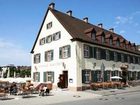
119, 99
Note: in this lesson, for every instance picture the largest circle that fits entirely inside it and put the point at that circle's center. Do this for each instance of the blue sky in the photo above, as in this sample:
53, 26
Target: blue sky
20, 21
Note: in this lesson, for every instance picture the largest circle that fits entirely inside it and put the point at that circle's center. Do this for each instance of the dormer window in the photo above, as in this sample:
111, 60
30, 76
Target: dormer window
125, 45
118, 43
111, 41
93, 35
103, 39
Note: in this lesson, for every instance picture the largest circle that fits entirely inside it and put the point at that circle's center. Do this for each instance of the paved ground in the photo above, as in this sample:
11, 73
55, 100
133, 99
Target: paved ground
119, 99
65, 96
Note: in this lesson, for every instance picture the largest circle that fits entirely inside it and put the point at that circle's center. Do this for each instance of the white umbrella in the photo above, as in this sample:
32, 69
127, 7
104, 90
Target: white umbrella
116, 77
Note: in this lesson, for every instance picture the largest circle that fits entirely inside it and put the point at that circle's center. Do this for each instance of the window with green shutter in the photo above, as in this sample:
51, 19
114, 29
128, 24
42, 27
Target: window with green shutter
36, 76
49, 76
65, 52
86, 76
49, 55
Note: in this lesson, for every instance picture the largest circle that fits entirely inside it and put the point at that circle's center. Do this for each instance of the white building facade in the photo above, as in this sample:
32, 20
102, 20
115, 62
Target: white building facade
65, 55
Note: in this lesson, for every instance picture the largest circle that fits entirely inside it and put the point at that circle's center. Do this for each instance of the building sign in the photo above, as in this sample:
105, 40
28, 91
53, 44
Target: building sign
70, 80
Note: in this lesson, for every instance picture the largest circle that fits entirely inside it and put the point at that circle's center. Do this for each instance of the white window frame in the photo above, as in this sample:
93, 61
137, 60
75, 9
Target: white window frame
65, 51
42, 41
49, 55
37, 58
49, 25
86, 51
93, 35
49, 39
50, 76
56, 36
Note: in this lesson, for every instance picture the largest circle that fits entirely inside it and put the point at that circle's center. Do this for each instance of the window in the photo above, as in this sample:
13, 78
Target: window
86, 76
56, 35
37, 58
131, 59
115, 73
49, 39
115, 56
98, 53
111, 53
49, 55
36, 76
107, 55
122, 57
49, 76
103, 53
86, 51
93, 35
64, 52
125, 58
111, 41
119, 57
136, 60
99, 76
128, 58
94, 52
49, 25
42, 41
139, 60
118, 43
103, 39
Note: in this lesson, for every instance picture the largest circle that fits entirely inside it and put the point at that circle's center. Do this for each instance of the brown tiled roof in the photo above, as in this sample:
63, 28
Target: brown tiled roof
89, 30
108, 36
78, 28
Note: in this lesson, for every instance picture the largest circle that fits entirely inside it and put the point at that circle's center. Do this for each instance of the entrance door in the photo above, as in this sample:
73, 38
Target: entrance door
65, 73
63, 80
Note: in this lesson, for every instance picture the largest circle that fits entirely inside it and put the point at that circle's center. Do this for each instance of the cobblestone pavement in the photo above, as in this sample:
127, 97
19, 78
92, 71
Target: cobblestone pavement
61, 96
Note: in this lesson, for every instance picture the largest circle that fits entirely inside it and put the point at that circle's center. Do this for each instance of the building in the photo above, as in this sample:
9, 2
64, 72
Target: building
15, 71
72, 53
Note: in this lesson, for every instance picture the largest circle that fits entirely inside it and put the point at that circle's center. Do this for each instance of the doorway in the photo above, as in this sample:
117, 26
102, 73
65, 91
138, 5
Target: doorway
63, 80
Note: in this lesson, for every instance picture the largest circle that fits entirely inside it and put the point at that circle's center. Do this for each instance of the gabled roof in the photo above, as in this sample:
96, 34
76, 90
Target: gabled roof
78, 28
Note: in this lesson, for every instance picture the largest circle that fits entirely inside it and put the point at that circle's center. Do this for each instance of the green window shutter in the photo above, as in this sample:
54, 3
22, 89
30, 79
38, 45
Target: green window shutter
52, 77
38, 76
83, 76
90, 52
60, 52
33, 76
105, 76
69, 51
52, 55
45, 76
59, 34
93, 76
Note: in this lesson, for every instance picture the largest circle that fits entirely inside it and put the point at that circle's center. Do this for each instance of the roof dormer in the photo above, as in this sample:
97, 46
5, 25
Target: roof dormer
91, 33
116, 41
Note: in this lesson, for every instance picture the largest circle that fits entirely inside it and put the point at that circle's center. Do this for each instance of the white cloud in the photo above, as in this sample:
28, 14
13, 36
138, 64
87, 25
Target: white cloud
130, 19
122, 32
121, 20
12, 53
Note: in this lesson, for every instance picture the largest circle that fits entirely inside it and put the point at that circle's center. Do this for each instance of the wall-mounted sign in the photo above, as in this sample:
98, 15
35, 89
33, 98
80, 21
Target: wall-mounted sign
70, 80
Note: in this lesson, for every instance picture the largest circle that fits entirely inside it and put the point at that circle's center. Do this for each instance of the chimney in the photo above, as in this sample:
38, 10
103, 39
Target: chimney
111, 29
100, 25
69, 13
85, 19
52, 5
